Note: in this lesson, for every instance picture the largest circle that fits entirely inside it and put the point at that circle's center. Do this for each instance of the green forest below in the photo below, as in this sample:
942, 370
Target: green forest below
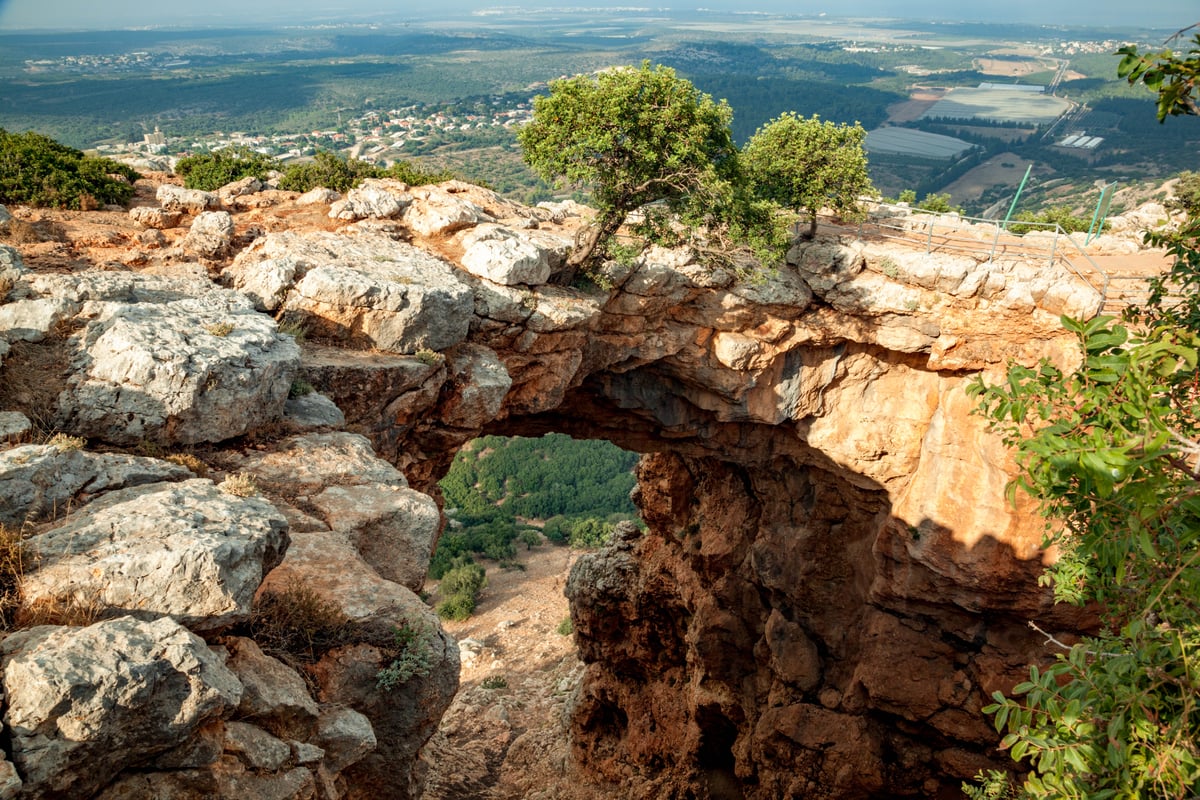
500, 491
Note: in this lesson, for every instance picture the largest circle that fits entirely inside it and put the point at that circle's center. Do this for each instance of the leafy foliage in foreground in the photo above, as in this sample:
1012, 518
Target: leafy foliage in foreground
1110, 453
1172, 76
35, 170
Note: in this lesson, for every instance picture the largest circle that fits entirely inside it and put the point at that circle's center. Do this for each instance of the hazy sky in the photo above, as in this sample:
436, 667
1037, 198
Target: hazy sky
16, 14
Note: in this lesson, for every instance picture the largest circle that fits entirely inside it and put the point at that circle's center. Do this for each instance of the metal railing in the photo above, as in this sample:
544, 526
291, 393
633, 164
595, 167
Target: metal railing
974, 236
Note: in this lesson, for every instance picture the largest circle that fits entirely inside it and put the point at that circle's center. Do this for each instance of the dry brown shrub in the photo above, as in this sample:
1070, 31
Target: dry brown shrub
12, 570
189, 461
298, 625
19, 231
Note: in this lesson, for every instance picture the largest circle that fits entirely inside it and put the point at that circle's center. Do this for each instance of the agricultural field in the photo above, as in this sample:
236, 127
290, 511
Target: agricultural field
454, 77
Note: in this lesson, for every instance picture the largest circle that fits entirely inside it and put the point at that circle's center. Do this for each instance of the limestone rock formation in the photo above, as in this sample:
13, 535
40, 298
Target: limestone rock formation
830, 584
39, 482
200, 369
154, 218
186, 201
186, 550
211, 234
85, 703
378, 198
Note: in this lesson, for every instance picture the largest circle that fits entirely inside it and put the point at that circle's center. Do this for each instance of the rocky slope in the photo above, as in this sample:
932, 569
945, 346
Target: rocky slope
830, 585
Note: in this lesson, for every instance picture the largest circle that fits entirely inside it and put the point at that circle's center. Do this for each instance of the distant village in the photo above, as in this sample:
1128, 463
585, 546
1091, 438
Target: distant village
380, 137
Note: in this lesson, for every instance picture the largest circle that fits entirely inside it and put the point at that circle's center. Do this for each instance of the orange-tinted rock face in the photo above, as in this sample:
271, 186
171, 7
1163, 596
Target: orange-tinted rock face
832, 581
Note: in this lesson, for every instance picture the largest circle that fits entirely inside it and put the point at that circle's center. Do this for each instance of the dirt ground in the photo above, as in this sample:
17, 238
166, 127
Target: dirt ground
973, 184
505, 735
1007, 68
917, 104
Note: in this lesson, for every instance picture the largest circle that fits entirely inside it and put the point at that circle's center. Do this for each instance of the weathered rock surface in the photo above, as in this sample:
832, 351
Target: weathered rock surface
85, 703
825, 517
40, 482
201, 369
154, 218
187, 201
436, 211
211, 234
402, 717
501, 256
365, 289
375, 197
274, 695
187, 550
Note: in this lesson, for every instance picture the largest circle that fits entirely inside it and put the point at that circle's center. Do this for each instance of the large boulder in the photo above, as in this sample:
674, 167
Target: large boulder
187, 201
355, 493
187, 550
201, 369
378, 198
502, 256
403, 713
39, 482
275, 695
211, 234
436, 212
82, 704
154, 218
369, 289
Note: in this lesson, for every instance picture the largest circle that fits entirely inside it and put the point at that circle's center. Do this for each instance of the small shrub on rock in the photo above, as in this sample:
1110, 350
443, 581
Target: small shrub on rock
298, 625
239, 484
413, 657
211, 171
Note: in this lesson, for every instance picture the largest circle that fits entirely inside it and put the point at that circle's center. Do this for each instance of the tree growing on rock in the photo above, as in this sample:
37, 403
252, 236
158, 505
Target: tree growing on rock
808, 165
634, 137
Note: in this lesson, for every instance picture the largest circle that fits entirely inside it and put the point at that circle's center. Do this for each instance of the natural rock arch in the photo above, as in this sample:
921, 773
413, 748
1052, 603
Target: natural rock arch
832, 582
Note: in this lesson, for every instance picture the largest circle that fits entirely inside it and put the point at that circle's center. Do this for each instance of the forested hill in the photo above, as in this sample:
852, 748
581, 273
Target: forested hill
541, 478
500, 489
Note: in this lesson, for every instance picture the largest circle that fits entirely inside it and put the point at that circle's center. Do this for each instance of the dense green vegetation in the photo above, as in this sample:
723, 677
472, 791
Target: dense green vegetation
459, 589
497, 487
808, 165
211, 171
38, 171
1111, 452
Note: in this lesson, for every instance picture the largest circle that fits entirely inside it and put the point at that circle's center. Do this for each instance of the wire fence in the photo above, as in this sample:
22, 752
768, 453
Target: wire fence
984, 238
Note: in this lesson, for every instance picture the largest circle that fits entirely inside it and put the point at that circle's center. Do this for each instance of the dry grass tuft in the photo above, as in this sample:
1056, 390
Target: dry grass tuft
239, 484
12, 570
64, 443
72, 611
189, 461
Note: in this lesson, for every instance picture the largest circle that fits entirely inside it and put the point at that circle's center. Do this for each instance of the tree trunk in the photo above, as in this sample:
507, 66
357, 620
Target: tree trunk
588, 240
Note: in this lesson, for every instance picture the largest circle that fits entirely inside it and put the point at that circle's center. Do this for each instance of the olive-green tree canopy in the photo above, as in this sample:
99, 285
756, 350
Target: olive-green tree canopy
634, 136
807, 165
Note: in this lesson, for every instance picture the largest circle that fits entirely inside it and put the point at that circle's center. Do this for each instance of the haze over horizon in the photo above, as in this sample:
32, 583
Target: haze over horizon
18, 15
